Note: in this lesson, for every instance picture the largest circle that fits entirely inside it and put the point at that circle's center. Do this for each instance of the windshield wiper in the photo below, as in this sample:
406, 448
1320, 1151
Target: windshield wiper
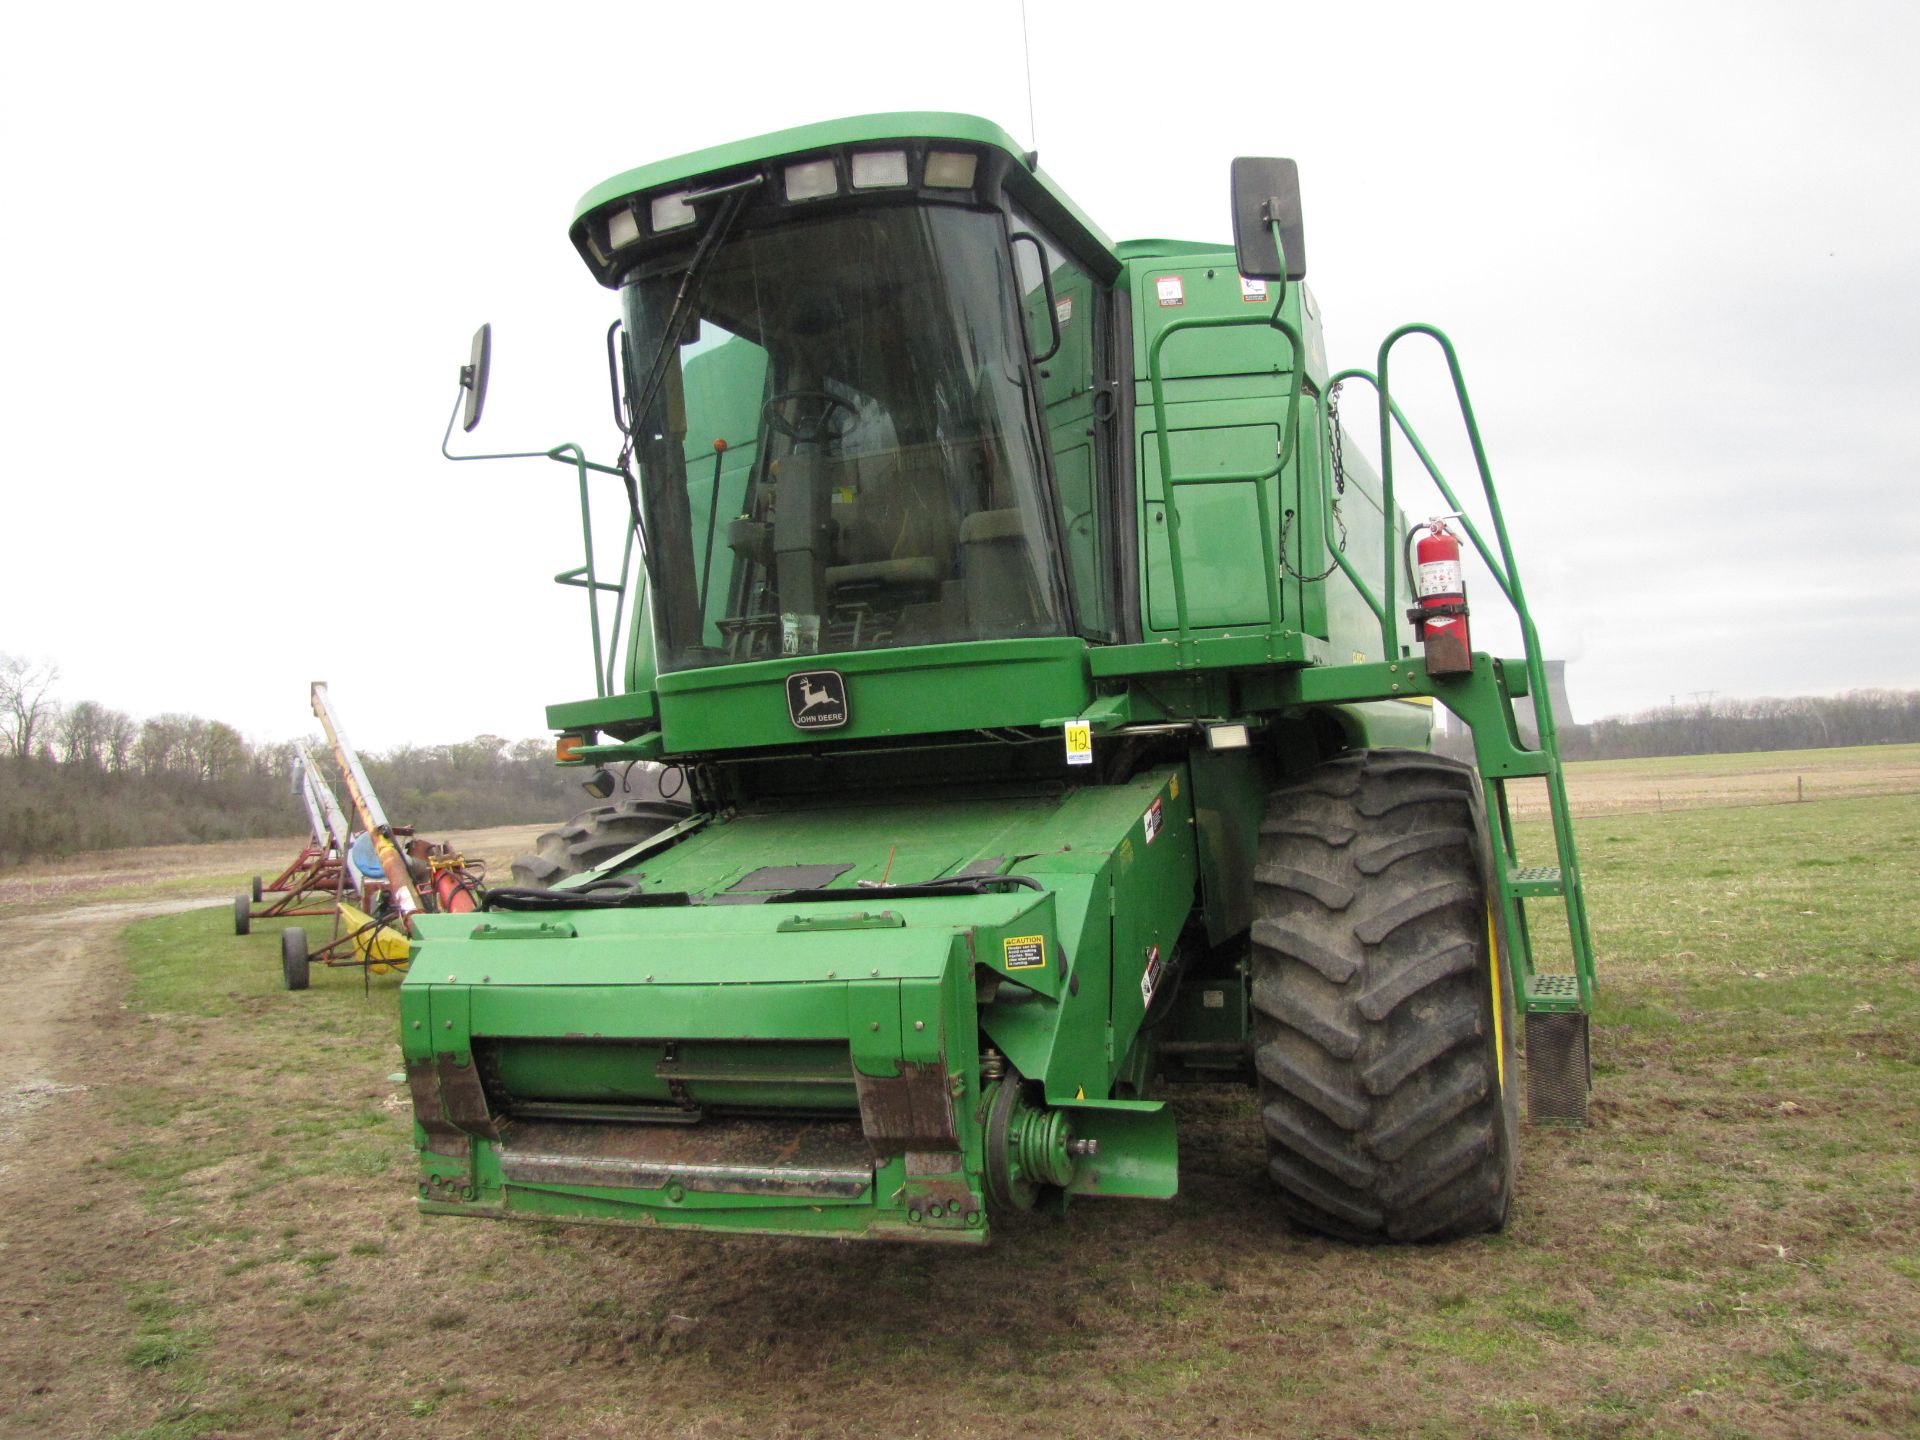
691, 280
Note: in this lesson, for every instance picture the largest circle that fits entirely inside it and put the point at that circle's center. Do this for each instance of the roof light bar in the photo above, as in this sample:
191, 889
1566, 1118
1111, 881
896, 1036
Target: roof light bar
876, 169
623, 228
811, 180
951, 169
670, 212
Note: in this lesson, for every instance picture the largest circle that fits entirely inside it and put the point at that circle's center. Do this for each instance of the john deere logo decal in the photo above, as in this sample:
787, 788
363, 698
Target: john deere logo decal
817, 699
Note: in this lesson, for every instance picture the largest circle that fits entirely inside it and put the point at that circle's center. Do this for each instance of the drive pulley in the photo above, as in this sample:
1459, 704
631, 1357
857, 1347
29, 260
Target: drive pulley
1028, 1145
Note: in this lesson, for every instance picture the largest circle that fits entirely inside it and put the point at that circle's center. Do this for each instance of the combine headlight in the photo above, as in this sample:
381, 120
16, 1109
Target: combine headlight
878, 168
951, 169
623, 228
670, 212
811, 180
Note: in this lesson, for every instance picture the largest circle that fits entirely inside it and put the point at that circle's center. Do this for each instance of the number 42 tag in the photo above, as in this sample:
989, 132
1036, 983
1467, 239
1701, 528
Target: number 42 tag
1079, 742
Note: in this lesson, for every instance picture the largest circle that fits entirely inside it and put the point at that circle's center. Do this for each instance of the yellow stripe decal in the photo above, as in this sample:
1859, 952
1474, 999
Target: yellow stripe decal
1499, 1038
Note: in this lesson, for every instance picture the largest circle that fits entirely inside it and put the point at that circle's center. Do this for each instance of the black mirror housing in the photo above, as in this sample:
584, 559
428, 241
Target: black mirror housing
473, 377
1264, 192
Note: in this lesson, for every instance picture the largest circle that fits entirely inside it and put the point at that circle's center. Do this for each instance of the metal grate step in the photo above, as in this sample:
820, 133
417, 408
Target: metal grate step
1532, 881
1553, 992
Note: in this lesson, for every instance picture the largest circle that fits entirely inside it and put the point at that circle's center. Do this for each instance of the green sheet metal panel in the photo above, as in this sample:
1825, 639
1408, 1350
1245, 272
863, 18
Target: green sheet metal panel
905, 691
1220, 524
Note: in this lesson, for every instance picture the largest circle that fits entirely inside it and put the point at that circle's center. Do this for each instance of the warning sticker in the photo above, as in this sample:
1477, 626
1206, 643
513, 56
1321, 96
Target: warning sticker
1024, 952
1170, 291
1438, 577
1150, 977
1173, 787
1063, 309
1155, 820
1079, 742
1252, 292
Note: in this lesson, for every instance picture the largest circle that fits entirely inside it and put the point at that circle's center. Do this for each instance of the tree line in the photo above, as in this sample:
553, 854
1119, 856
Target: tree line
1719, 727
1727, 727
84, 776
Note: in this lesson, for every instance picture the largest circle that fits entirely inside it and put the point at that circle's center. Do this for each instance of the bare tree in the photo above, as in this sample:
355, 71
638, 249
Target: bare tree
118, 736
224, 753
83, 734
26, 702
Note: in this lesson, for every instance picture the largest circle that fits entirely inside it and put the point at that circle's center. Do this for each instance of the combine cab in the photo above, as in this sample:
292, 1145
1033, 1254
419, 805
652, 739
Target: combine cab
1016, 658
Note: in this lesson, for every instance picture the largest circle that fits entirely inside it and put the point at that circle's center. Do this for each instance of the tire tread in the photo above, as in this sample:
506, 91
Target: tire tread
1381, 1102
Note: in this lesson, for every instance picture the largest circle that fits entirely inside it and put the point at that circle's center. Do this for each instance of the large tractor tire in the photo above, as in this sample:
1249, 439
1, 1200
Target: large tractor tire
595, 836
1383, 1024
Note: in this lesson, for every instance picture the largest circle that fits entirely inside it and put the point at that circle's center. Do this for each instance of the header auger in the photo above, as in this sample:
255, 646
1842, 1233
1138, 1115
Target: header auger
1011, 644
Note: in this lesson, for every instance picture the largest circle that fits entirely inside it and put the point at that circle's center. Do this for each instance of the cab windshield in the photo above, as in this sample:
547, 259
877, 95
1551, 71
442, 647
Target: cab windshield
840, 455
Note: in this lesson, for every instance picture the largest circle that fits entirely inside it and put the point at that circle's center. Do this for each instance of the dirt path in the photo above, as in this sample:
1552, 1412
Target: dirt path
56, 972
60, 962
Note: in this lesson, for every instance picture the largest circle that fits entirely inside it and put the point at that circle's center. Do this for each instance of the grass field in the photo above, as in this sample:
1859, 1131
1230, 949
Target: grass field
219, 1238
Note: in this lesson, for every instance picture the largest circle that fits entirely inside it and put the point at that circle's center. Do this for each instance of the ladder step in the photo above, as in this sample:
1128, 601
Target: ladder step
1533, 881
1552, 992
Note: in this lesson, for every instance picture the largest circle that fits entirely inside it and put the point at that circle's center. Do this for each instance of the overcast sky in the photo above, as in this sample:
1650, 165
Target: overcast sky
245, 249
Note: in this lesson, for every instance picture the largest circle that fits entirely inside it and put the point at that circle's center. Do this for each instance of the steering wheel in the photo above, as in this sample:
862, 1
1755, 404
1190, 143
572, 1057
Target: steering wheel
822, 428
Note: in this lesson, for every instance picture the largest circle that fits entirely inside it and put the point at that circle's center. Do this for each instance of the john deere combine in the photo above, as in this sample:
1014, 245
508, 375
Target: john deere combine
1009, 671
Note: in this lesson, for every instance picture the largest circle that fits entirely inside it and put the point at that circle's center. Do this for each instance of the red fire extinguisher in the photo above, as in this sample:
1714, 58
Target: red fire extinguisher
1439, 612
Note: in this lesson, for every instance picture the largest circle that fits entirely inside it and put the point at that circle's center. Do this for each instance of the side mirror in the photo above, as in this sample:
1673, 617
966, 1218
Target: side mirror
1265, 193
473, 376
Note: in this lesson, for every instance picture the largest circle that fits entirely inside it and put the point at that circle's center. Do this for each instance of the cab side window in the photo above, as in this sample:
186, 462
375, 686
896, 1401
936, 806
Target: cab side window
1069, 387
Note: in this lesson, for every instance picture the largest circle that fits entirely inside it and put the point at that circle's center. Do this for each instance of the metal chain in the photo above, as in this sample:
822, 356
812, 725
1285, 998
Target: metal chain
1333, 442
1339, 472
1332, 565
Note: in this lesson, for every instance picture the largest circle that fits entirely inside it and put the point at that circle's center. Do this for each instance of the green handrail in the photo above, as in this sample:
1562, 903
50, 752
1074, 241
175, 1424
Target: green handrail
583, 576
1440, 480
1509, 581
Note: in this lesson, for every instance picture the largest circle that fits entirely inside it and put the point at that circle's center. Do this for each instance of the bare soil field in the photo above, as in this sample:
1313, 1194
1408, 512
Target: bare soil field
1777, 777
210, 1230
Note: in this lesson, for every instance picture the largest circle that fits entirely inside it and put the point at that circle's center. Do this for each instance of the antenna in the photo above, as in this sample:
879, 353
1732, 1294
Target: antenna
1026, 48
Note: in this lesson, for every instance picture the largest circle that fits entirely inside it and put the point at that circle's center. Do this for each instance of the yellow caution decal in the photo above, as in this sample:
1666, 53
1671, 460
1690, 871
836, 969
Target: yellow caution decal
1024, 952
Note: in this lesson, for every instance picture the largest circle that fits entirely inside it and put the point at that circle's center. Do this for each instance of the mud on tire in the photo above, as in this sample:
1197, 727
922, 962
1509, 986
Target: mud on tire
1383, 1024
595, 836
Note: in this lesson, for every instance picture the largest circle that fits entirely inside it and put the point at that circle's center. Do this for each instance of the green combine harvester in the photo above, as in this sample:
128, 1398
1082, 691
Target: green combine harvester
1009, 672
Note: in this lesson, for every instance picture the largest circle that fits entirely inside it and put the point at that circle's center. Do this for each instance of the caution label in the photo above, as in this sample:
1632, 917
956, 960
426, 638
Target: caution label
1252, 292
1155, 819
1170, 290
1439, 577
1024, 952
1150, 977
